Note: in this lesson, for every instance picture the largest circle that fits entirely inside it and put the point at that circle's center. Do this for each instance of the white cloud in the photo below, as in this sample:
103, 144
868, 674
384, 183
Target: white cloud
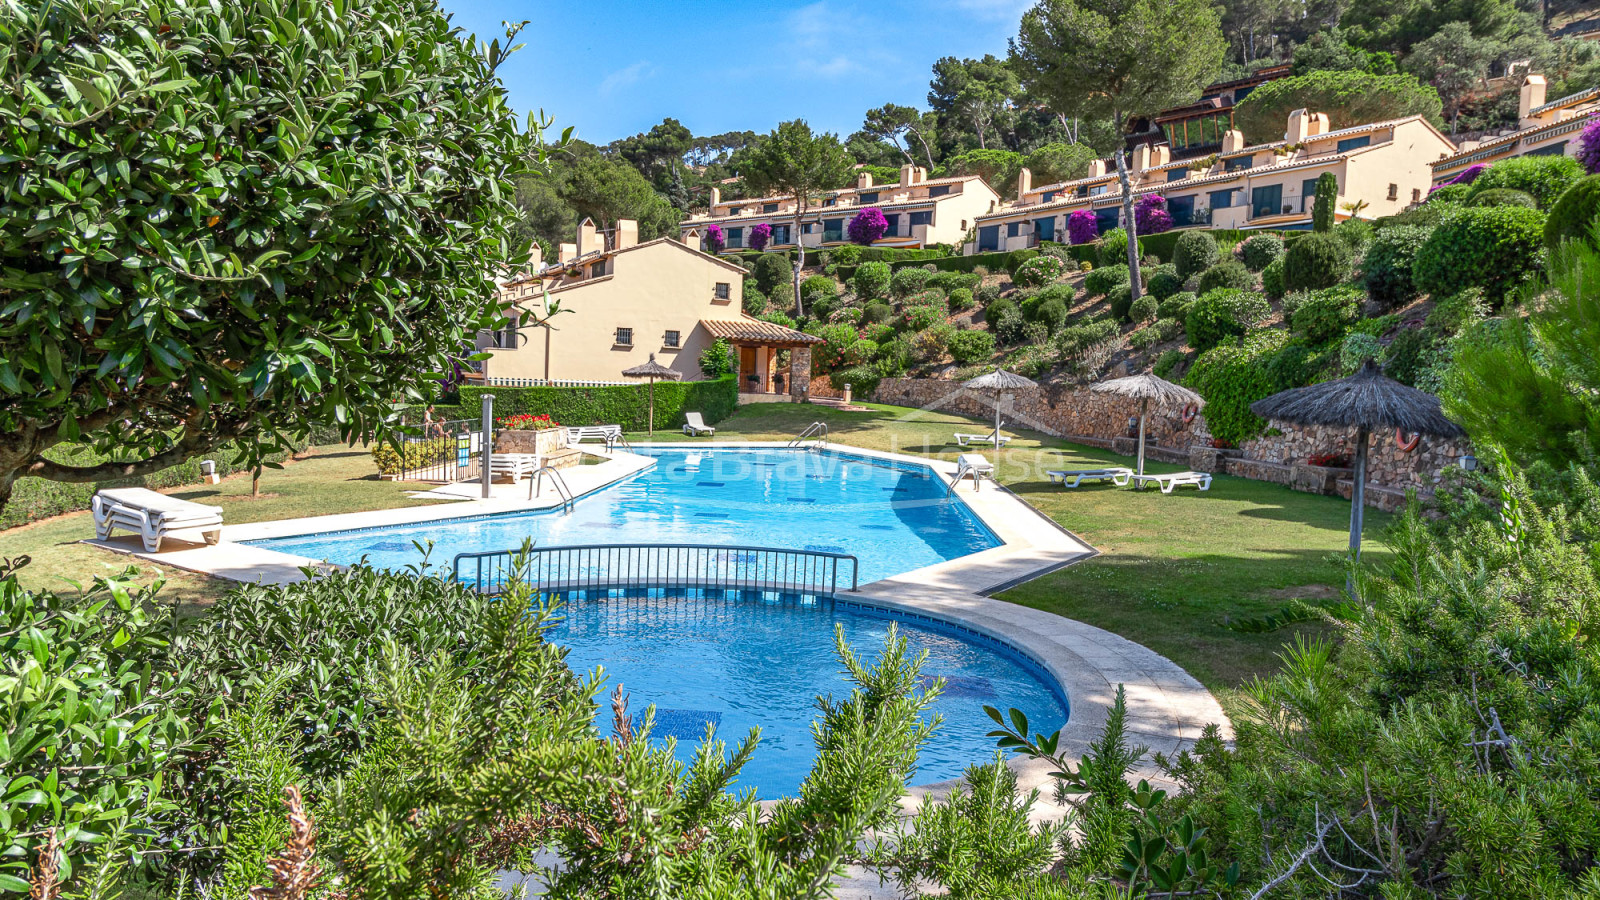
627, 76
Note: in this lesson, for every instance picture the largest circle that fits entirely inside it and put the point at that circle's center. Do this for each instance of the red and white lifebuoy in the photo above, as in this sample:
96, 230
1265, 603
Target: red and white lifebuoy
1189, 412
1406, 446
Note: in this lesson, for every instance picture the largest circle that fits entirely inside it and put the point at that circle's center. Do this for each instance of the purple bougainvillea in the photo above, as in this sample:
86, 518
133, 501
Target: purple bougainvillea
760, 236
716, 240
1150, 214
868, 226
1589, 145
1082, 227
1467, 176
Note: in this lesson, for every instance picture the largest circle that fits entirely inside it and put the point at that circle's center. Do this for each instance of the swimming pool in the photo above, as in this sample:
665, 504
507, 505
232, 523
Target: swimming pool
894, 517
743, 658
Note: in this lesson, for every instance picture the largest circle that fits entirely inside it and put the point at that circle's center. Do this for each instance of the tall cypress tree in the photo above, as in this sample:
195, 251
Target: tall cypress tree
1327, 202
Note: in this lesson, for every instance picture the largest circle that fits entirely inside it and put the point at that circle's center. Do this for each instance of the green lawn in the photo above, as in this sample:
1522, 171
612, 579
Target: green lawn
1173, 568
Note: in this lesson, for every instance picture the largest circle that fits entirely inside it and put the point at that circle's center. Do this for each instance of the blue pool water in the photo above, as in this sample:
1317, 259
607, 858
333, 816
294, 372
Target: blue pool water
739, 659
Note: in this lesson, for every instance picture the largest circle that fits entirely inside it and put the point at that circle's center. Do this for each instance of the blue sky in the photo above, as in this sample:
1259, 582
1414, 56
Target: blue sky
613, 69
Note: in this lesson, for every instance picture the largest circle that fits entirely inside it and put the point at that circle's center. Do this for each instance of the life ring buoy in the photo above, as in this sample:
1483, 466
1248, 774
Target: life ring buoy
1406, 446
1189, 412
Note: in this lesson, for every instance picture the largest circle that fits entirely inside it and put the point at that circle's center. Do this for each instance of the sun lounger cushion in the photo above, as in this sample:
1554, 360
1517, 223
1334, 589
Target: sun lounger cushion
964, 439
1073, 477
1201, 480
152, 515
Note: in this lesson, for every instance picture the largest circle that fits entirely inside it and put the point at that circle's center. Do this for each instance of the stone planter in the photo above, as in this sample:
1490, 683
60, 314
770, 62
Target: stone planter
1210, 459
545, 441
1316, 479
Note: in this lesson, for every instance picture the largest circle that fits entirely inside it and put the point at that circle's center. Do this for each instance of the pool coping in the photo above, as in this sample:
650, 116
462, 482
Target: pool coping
1167, 708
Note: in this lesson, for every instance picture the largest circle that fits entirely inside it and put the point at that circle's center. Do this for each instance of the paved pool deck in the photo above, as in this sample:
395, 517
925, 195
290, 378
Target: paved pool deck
1167, 708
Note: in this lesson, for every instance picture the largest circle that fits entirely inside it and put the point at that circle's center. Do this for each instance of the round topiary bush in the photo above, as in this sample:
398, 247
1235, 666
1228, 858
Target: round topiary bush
847, 255
1314, 261
753, 301
871, 281
1449, 195
1504, 197
1100, 281
1222, 314
1194, 252
1121, 298
1497, 248
1038, 272
1229, 273
986, 294
919, 318
1272, 278
960, 300
1010, 328
1113, 250
968, 347
1175, 307
877, 311
1259, 250
1016, 258
1163, 281
1143, 309
1575, 214
1323, 316
818, 287
995, 311
1059, 291
1545, 177
908, 281
1386, 269
1052, 312
771, 270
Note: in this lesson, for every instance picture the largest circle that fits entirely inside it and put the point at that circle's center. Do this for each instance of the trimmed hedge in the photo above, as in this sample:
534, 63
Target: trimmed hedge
625, 405
1574, 214
33, 499
1497, 248
1389, 261
1195, 252
1221, 314
1318, 260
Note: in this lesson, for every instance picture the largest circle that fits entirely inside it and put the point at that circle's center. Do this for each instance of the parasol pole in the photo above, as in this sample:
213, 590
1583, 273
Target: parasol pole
997, 422
1144, 404
1358, 494
651, 415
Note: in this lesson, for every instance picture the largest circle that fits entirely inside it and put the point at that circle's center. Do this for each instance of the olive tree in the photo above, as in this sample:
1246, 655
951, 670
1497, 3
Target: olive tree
227, 223
1113, 59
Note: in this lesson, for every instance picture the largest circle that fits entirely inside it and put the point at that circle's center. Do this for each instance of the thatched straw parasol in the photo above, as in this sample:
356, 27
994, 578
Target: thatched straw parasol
999, 381
1367, 402
652, 370
1148, 389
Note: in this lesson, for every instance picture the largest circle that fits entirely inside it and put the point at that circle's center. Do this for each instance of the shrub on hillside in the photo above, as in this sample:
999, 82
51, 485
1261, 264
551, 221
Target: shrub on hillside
1000, 307
1038, 272
968, 347
1166, 364
1575, 214
1144, 338
1016, 258
931, 344
1100, 282
877, 311
1259, 250
1163, 281
1496, 248
1449, 195
1314, 261
818, 287
1010, 328
1059, 291
1544, 177
1386, 269
872, 280
1175, 306
754, 302
1082, 226
1113, 250
1230, 274
846, 255
1458, 311
894, 357
908, 281
960, 300
1221, 314
986, 294
1052, 313
1357, 348
863, 380
1356, 233
1323, 316
1504, 197
1411, 352
950, 281
770, 270
1143, 309
1272, 278
1195, 252
919, 318
1231, 377
1120, 300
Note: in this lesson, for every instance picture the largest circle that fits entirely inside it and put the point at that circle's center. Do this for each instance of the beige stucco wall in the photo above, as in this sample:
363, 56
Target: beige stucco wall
652, 289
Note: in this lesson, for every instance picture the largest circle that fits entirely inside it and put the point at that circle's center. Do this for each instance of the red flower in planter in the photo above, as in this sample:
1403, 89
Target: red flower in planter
1330, 460
527, 422
1220, 444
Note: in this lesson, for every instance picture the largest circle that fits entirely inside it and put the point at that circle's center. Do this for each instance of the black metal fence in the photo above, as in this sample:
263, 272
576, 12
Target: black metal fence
445, 452
594, 569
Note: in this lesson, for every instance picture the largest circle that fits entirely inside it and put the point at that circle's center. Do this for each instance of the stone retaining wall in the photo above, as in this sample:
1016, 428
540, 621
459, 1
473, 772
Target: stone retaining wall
1110, 422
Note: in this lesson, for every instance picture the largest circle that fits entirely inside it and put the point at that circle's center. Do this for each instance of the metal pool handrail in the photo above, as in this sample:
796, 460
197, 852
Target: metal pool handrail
676, 566
818, 430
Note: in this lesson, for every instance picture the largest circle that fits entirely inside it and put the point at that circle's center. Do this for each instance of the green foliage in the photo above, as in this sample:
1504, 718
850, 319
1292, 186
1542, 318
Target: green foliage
1100, 282
918, 318
872, 281
1009, 327
1324, 315
1315, 261
998, 168
1038, 272
1232, 376
1112, 249
751, 299
716, 361
1120, 301
251, 226
818, 287
1056, 162
392, 460
863, 380
1349, 98
960, 300
1575, 214
1410, 355
1175, 306
986, 294
1258, 251
1272, 278
846, 255
1327, 201
771, 271
1458, 311
877, 311
1052, 313
1495, 248
1356, 233
1221, 314
931, 343
1229, 274
1504, 197
1000, 308
1386, 268
1163, 282
1015, 260
1545, 178
908, 281
1194, 253
968, 347
1167, 363
1143, 310
1144, 338
624, 405
1357, 348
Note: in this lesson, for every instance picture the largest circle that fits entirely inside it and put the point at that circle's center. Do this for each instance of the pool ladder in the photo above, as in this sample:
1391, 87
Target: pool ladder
818, 430
536, 483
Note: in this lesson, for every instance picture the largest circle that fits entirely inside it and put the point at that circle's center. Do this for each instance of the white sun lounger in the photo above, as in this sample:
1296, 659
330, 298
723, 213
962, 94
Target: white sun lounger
153, 516
607, 433
973, 465
964, 439
1071, 478
696, 425
514, 466
1201, 480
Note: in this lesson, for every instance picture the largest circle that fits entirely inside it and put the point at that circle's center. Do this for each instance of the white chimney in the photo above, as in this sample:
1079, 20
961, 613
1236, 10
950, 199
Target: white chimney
627, 233
1024, 182
908, 175
1533, 93
863, 180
